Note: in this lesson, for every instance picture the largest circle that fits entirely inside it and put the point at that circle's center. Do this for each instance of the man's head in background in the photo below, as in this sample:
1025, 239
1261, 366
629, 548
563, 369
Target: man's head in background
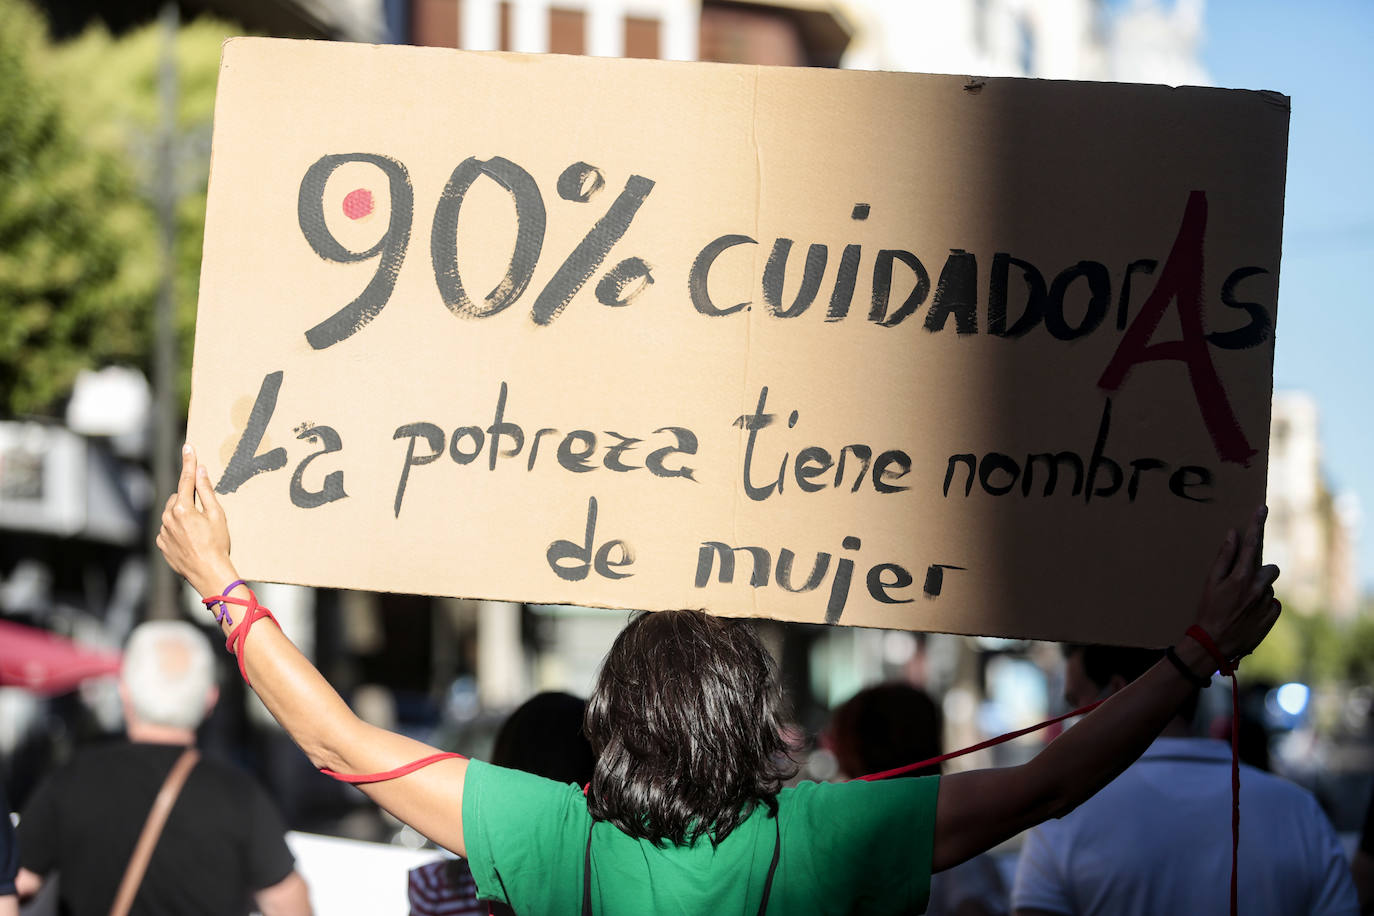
168, 677
1095, 672
544, 736
884, 727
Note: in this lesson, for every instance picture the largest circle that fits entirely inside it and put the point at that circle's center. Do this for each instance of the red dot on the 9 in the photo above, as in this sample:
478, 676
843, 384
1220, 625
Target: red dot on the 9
358, 203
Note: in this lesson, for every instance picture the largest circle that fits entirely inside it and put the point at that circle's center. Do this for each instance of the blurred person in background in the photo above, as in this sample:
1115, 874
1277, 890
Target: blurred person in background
543, 736
891, 725
222, 849
1158, 838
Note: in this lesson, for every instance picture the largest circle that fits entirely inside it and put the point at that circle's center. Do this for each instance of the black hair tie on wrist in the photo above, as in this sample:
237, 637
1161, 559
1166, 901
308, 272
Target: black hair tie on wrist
1189, 674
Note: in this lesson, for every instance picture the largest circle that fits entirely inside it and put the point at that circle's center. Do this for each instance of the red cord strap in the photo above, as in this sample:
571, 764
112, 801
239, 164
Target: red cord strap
363, 778
239, 634
991, 742
1228, 669
1204, 640
238, 637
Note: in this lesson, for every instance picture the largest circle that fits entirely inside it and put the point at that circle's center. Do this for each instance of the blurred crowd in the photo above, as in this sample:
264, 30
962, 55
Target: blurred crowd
1121, 852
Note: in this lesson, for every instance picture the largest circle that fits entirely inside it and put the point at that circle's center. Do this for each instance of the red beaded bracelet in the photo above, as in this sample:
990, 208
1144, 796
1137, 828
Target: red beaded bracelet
1224, 664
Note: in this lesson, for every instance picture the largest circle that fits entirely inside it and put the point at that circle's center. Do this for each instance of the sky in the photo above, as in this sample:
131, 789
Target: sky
1320, 54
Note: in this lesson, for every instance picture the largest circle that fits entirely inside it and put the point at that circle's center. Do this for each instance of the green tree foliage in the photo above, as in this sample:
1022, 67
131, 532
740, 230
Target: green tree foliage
1316, 649
80, 175
1359, 646
77, 271
112, 85
1279, 658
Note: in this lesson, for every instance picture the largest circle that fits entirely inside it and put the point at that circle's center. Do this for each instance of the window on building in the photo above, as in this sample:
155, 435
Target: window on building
749, 36
567, 31
641, 37
435, 23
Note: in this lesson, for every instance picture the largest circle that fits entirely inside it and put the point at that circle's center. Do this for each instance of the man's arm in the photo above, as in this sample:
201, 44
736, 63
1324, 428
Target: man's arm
195, 541
27, 883
35, 840
288, 897
9, 860
978, 809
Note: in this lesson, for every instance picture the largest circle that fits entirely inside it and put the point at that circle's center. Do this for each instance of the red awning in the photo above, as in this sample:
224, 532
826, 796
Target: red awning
47, 663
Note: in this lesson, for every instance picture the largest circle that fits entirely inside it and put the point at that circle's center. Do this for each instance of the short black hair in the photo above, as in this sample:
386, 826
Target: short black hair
1102, 663
884, 727
544, 737
686, 723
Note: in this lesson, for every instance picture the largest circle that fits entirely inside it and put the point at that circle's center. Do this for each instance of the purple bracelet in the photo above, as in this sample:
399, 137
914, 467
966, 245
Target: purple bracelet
223, 615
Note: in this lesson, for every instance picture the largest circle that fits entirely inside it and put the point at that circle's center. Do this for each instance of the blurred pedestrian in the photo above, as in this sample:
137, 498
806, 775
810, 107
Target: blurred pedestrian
1158, 838
221, 848
887, 726
543, 736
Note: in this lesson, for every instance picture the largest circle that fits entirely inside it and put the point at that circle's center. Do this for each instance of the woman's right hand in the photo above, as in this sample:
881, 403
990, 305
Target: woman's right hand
195, 539
1238, 606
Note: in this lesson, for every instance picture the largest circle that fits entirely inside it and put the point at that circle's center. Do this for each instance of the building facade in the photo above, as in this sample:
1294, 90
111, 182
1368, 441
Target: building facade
1312, 529
1147, 41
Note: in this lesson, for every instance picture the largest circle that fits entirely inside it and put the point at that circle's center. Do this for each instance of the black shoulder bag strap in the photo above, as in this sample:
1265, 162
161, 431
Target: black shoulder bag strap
152, 829
767, 885
773, 867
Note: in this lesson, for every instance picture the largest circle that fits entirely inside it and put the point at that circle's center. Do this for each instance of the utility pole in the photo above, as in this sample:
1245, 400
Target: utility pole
162, 600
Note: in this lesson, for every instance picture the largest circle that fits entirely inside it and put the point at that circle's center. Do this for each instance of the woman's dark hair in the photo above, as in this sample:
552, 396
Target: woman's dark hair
686, 724
884, 727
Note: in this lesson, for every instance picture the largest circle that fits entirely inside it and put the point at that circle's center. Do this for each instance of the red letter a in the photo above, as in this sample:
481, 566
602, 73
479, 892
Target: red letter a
1181, 281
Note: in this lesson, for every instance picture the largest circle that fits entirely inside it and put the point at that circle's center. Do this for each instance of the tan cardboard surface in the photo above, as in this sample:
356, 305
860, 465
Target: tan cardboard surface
451, 180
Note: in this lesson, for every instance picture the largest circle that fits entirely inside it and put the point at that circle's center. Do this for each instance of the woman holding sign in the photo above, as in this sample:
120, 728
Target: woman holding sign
685, 813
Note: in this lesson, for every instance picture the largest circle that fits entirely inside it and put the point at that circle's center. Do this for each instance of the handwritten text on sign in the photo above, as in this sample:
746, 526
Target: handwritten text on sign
659, 388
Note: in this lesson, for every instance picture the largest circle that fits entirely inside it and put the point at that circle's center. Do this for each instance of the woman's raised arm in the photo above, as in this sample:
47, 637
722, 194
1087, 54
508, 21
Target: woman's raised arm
195, 541
978, 809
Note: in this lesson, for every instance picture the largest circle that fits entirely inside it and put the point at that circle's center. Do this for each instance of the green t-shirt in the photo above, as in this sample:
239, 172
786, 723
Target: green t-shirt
854, 847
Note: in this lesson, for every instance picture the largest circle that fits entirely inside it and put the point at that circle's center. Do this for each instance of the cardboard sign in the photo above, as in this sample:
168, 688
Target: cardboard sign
976, 356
